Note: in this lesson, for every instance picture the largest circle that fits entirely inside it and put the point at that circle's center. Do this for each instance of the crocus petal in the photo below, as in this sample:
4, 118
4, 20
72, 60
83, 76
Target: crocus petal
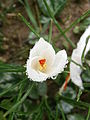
53, 65
34, 74
34, 63
59, 63
75, 70
44, 49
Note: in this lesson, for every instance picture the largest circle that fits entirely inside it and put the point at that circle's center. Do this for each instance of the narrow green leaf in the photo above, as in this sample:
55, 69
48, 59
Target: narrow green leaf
50, 32
83, 54
74, 102
88, 114
29, 12
56, 117
12, 87
48, 108
11, 68
18, 98
57, 25
62, 112
28, 24
60, 6
74, 23
82, 67
20, 101
79, 94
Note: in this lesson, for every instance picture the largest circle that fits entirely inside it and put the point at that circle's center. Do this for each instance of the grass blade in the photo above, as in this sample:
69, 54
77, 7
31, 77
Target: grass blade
88, 114
62, 112
74, 23
83, 54
11, 68
74, 102
29, 12
10, 88
20, 101
50, 32
28, 24
57, 25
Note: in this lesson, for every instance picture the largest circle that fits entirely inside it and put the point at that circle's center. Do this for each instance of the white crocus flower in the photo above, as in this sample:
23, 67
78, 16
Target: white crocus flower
43, 63
75, 70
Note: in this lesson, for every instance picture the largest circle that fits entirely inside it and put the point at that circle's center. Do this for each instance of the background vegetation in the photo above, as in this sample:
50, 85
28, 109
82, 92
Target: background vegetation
22, 23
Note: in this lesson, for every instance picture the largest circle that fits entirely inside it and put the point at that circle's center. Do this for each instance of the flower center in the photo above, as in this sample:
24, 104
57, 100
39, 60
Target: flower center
42, 63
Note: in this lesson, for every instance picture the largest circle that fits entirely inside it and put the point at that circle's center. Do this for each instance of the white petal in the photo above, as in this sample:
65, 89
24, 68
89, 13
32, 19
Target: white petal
32, 72
75, 70
59, 63
34, 63
43, 49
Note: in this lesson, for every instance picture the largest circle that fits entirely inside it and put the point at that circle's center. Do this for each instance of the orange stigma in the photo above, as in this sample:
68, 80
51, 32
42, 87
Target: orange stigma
42, 62
43, 65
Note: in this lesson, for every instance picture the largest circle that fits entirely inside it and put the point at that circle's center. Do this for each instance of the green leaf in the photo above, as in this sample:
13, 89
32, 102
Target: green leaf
12, 87
85, 75
57, 24
43, 8
28, 24
29, 12
59, 6
20, 101
50, 32
29, 107
6, 104
75, 117
69, 92
83, 25
84, 50
1, 116
56, 6
74, 23
79, 104
11, 68
62, 111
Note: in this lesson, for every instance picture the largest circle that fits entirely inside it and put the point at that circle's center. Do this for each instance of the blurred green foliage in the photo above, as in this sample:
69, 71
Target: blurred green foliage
55, 5
83, 25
